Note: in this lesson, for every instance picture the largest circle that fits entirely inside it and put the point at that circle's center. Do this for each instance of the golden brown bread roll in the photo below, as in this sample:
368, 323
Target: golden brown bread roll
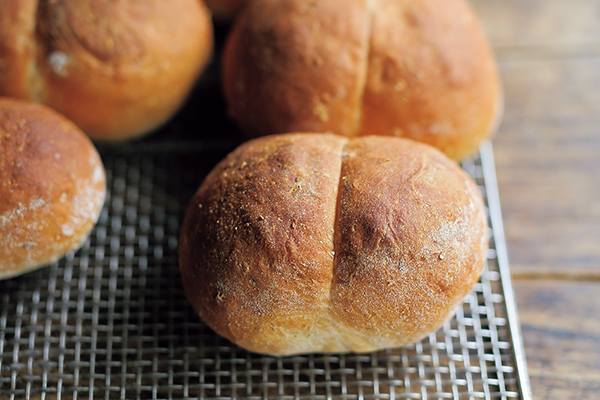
52, 186
318, 243
225, 10
116, 68
421, 69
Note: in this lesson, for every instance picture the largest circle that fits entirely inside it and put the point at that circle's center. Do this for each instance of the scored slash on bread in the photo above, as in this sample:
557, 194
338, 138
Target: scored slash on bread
304, 242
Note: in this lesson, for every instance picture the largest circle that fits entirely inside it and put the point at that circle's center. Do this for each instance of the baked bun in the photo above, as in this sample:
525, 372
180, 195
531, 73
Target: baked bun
421, 69
304, 243
52, 186
225, 10
118, 69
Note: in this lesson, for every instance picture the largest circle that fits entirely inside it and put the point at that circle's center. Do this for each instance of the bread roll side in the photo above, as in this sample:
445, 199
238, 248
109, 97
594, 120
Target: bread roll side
432, 76
120, 69
411, 241
256, 246
52, 186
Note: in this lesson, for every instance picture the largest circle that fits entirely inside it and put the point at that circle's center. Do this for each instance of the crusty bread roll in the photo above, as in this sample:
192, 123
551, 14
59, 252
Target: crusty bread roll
303, 243
118, 69
421, 69
225, 10
52, 186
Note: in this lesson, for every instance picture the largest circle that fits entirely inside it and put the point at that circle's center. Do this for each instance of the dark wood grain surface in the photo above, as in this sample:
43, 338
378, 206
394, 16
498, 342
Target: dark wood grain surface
548, 165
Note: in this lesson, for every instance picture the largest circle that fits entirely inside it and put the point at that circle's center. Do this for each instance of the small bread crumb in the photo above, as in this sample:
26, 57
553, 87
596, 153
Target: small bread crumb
400, 85
321, 111
67, 230
58, 62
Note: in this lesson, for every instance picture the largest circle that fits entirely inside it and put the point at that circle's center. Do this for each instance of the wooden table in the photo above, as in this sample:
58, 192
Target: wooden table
548, 165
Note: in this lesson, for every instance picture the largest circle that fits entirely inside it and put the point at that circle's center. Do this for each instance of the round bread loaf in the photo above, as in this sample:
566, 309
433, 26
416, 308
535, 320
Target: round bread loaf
225, 10
303, 243
421, 69
118, 69
52, 186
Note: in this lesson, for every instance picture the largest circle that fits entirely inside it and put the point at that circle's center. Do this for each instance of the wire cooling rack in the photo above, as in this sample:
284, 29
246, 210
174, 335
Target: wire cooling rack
111, 321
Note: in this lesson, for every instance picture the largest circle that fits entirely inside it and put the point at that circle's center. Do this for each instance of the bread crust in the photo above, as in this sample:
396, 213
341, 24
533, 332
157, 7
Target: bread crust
421, 69
117, 69
52, 186
304, 242
410, 241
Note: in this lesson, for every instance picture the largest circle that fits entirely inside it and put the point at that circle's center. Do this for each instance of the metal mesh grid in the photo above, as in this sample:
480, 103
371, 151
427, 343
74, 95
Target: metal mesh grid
110, 321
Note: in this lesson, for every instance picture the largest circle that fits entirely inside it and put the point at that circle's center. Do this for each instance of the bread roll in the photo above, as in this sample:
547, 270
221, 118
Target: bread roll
118, 69
421, 69
52, 186
304, 243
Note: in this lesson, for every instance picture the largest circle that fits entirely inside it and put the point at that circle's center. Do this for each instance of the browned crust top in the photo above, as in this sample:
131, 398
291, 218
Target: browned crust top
421, 69
117, 69
310, 242
52, 186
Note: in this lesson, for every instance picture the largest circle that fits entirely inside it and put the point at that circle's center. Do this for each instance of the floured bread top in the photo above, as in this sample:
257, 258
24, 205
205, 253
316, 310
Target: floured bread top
52, 186
316, 243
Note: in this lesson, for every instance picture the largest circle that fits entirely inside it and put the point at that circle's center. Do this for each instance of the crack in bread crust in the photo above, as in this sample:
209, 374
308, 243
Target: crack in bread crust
334, 244
364, 75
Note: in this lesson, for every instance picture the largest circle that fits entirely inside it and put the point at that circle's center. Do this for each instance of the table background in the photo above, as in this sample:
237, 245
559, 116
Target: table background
548, 165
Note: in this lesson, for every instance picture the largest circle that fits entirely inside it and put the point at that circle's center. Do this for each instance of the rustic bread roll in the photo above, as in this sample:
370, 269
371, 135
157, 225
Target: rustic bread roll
52, 186
420, 69
318, 243
116, 68
225, 10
